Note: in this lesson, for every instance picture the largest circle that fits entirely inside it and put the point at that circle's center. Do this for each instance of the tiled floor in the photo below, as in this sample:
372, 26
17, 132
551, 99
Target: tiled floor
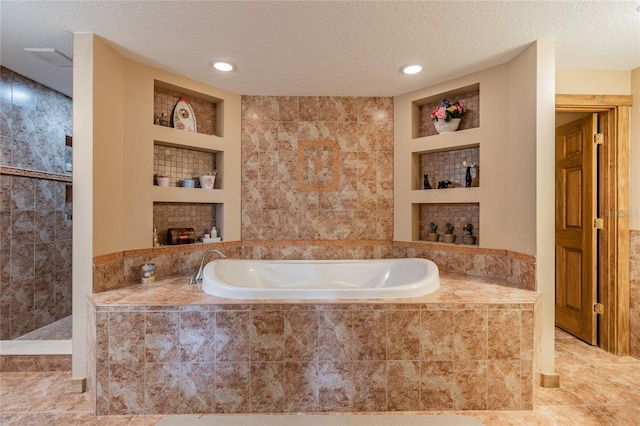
596, 388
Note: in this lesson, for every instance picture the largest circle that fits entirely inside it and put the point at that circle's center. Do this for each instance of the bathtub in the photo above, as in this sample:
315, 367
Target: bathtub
320, 279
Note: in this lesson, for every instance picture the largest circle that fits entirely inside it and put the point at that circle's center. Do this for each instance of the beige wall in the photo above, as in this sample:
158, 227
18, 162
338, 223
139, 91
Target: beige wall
593, 82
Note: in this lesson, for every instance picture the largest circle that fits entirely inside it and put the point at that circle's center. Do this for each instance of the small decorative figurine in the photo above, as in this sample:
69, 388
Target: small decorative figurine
444, 184
468, 180
467, 238
448, 233
433, 236
427, 185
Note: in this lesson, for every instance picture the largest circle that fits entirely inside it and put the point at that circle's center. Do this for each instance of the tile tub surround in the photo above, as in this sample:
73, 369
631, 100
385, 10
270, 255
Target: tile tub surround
118, 270
169, 348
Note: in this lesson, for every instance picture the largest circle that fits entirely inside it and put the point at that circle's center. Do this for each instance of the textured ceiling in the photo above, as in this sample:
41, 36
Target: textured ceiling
341, 48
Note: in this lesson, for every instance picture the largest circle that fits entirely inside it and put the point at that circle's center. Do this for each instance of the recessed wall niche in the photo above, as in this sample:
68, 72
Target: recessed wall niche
199, 216
457, 214
470, 119
448, 165
182, 163
204, 108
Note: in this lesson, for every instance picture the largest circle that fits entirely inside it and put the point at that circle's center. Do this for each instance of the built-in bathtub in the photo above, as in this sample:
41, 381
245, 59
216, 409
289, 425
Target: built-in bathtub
168, 347
320, 279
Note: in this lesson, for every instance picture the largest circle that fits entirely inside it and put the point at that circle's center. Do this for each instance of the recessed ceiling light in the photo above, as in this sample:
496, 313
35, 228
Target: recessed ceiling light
221, 65
411, 69
51, 55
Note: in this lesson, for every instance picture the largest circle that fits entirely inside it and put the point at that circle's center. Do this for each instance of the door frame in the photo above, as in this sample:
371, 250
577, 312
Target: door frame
613, 276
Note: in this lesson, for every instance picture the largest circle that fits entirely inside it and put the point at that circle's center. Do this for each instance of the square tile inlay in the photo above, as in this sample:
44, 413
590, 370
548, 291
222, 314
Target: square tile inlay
318, 165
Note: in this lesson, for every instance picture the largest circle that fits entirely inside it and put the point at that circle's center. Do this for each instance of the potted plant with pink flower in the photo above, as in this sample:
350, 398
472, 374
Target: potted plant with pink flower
447, 115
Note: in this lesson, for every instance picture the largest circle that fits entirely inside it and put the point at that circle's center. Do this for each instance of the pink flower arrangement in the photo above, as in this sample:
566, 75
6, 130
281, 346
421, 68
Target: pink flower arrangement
448, 110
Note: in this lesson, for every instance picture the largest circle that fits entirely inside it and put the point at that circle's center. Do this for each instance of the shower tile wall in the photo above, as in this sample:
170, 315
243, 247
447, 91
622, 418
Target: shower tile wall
35, 238
276, 207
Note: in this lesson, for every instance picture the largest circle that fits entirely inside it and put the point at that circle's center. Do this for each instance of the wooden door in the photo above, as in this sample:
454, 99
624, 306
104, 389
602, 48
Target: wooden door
576, 236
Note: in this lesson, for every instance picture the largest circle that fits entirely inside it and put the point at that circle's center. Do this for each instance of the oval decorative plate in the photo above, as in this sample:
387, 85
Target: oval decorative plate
183, 116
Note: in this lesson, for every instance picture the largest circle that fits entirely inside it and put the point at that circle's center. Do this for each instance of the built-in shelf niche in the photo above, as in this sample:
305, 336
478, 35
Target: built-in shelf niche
199, 216
207, 109
447, 164
183, 163
457, 214
422, 124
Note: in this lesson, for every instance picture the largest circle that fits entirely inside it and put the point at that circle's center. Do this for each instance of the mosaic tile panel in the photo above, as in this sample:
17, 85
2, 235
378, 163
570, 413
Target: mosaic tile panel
201, 217
182, 163
457, 214
448, 165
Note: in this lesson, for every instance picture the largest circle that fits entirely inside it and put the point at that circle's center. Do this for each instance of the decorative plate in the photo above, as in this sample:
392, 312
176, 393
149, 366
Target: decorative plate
183, 116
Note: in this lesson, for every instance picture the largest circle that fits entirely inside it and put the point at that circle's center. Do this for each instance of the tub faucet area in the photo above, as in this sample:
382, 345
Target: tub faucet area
198, 277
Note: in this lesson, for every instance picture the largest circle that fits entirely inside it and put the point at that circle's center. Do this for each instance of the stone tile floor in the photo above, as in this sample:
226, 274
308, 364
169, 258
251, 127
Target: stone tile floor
596, 388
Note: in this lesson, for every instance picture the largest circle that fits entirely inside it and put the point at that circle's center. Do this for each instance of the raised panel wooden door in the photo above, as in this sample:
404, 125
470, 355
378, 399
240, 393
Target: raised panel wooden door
576, 202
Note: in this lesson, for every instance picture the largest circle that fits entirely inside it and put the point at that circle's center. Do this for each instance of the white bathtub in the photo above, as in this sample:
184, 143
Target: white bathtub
320, 279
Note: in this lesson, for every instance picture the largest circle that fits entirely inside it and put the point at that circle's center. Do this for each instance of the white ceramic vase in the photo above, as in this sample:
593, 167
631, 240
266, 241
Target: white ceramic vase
447, 126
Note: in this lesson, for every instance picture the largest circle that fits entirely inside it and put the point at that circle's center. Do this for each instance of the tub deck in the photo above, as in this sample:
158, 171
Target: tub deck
168, 347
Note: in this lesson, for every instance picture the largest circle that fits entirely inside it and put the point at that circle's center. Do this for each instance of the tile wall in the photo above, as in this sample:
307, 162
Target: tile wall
276, 207
310, 358
35, 237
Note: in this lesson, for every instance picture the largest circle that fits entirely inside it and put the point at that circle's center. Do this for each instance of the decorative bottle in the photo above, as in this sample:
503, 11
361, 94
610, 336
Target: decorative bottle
467, 178
214, 232
427, 185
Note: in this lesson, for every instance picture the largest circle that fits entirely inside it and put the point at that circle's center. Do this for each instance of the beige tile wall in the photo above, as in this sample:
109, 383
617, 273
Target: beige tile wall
275, 206
289, 358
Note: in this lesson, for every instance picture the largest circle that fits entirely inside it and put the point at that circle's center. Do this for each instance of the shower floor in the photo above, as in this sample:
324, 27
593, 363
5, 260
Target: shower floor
59, 330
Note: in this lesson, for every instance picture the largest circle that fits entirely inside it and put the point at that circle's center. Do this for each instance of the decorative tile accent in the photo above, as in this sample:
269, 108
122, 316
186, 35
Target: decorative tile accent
318, 165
